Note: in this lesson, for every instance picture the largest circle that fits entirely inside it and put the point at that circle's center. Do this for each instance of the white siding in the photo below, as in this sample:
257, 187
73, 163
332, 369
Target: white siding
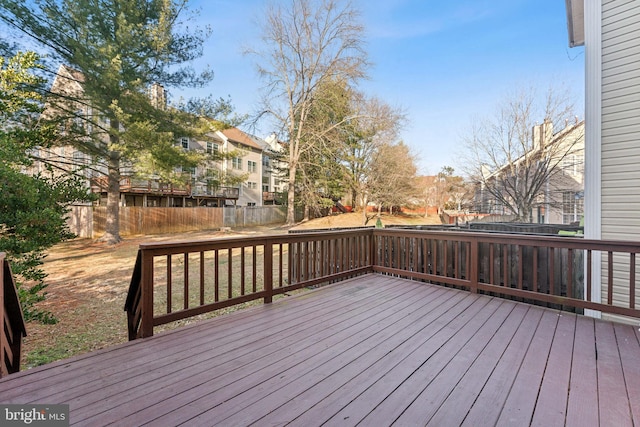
620, 117
620, 137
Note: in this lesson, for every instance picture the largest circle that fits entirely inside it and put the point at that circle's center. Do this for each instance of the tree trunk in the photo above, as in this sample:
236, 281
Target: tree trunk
306, 213
364, 210
291, 197
111, 235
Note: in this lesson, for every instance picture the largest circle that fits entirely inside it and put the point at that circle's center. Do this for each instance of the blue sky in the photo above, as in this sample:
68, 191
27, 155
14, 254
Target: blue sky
443, 62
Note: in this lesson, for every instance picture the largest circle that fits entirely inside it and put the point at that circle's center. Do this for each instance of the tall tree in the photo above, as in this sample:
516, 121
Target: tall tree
33, 207
306, 43
391, 177
374, 125
515, 155
115, 51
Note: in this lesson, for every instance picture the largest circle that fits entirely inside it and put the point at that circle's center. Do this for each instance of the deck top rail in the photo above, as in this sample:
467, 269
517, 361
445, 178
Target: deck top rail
174, 281
13, 328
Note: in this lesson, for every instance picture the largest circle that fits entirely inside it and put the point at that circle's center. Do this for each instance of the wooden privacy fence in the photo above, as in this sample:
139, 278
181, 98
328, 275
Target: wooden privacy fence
13, 328
173, 281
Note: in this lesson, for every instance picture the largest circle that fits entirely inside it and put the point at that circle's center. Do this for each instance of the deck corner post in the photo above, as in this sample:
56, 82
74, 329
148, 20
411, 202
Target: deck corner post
473, 273
146, 327
268, 272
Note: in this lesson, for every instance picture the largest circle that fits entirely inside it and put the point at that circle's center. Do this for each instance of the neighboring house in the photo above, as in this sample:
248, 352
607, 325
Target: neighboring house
561, 198
206, 184
273, 171
610, 33
247, 161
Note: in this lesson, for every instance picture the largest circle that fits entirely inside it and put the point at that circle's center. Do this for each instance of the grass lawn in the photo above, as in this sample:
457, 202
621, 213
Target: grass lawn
88, 284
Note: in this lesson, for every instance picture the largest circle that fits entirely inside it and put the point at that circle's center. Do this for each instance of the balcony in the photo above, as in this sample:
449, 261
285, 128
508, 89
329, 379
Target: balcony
401, 327
154, 187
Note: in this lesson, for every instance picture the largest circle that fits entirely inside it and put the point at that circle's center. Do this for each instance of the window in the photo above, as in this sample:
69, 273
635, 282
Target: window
252, 185
184, 142
212, 147
251, 204
252, 166
572, 206
236, 162
79, 161
266, 161
78, 119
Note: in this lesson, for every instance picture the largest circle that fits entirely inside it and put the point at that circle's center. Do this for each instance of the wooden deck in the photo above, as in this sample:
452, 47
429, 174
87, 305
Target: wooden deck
374, 350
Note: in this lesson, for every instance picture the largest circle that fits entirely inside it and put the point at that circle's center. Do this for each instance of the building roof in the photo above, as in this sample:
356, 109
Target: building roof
575, 22
239, 137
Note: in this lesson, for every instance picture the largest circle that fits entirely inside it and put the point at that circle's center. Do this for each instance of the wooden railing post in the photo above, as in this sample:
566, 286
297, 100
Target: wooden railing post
146, 300
12, 327
473, 268
4, 341
268, 272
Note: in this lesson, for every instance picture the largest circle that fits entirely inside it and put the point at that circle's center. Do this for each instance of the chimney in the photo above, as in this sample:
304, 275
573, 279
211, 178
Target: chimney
542, 134
158, 96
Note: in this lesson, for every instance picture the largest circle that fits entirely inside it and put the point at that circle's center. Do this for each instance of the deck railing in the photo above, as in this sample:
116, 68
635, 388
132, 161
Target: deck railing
13, 328
174, 281
544, 269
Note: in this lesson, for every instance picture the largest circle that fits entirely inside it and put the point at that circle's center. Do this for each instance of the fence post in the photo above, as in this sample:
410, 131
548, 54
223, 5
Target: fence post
268, 272
473, 268
146, 297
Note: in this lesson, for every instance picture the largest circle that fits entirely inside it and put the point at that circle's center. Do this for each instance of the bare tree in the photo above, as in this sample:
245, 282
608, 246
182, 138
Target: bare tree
391, 178
306, 44
515, 160
375, 125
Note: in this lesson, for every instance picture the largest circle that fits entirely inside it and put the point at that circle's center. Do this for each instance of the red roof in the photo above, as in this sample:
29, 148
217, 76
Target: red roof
239, 137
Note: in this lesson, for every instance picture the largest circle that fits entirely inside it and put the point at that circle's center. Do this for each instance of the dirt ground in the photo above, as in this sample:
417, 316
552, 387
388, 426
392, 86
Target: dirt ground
88, 284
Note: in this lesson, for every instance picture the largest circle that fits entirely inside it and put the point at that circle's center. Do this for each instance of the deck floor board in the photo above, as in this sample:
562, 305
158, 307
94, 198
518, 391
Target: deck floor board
375, 350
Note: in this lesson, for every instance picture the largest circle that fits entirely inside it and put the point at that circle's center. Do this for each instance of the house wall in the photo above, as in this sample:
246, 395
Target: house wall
251, 189
620, 130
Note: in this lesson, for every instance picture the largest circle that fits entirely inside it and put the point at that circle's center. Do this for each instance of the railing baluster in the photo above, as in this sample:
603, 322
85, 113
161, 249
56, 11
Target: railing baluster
520, 267
456, 260
290, 247
445, 257
434, 257
201, 277
268, 271
506, 274
570, 273
535, 269
169, 282
610, 278
280, 264
552, 271
242, 270
632, 280
186, 280
216, 289
492, 277
229, 273
254, 271
589, 275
